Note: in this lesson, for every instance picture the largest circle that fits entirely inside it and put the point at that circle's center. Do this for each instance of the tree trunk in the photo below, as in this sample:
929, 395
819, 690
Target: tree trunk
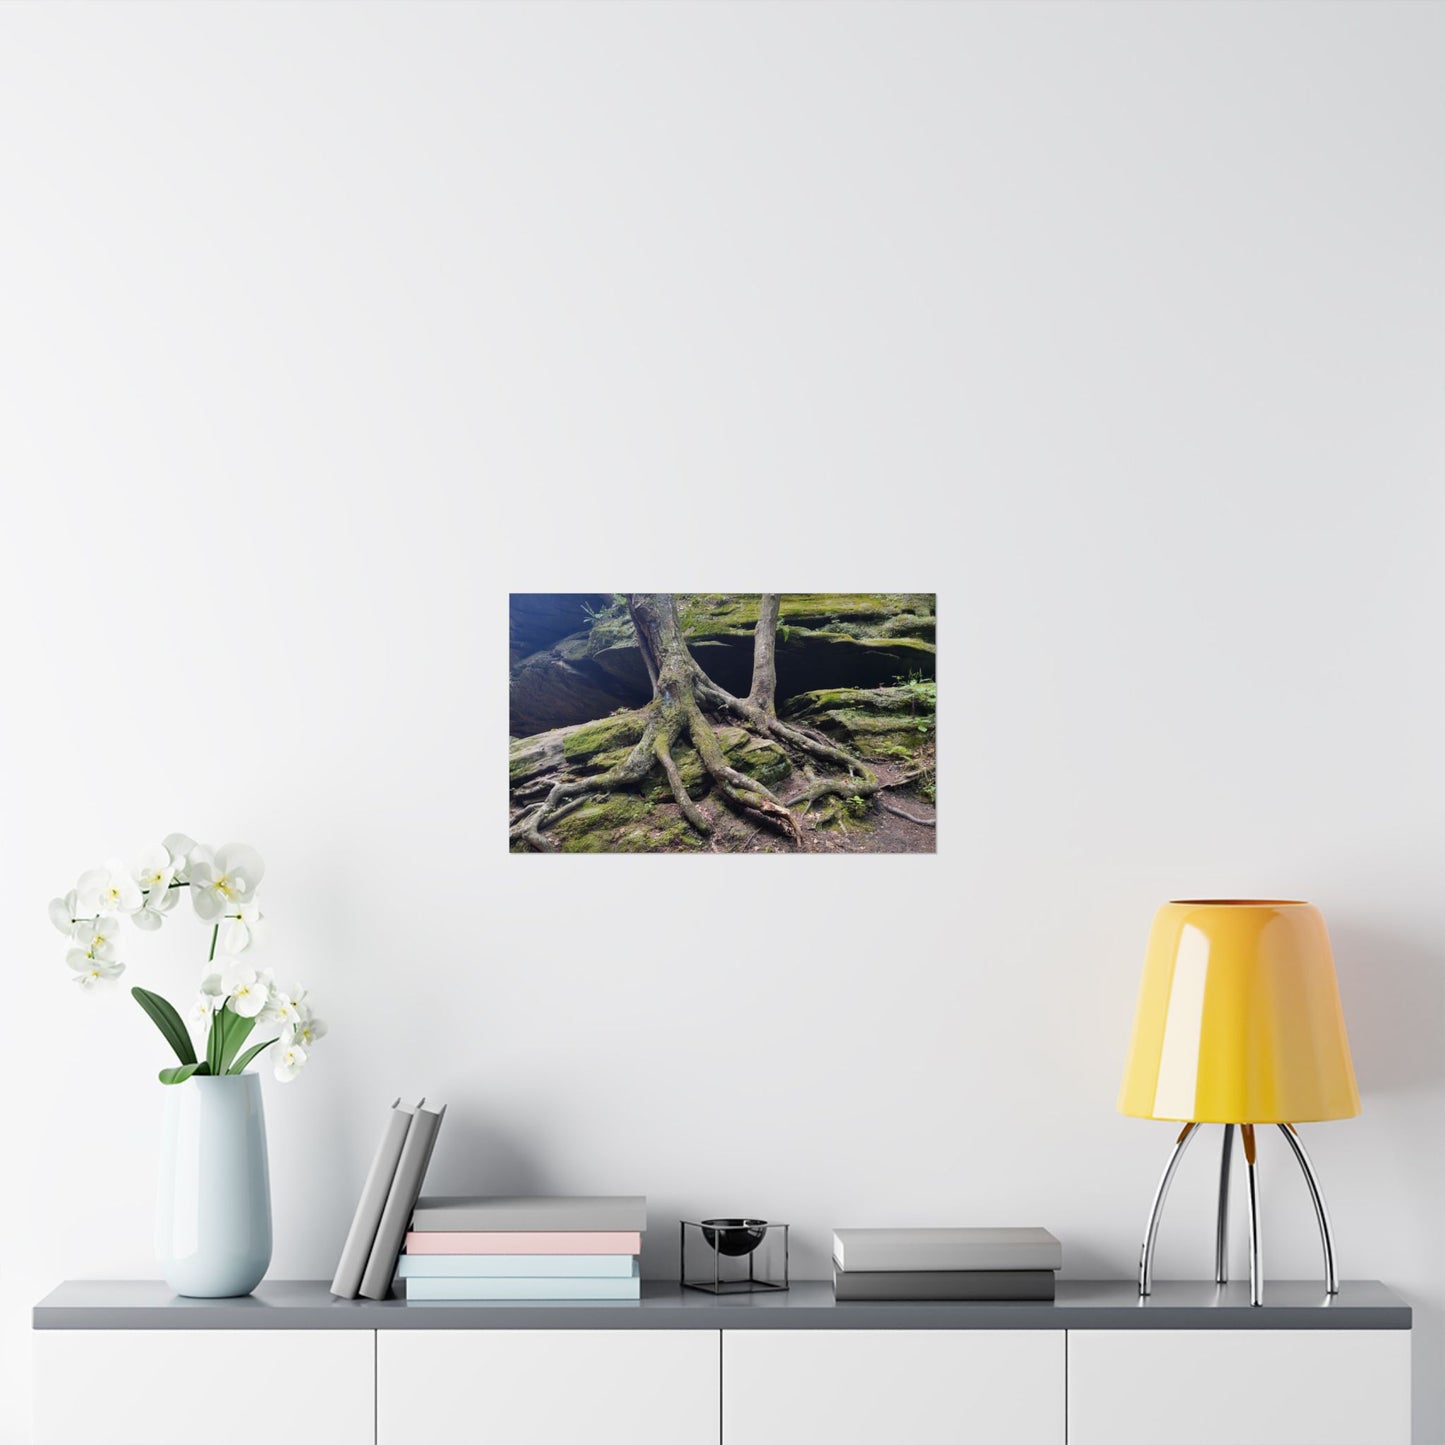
762, 694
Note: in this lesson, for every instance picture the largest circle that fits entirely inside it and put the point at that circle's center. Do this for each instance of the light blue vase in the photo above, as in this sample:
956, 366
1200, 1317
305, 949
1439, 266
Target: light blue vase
213, 1217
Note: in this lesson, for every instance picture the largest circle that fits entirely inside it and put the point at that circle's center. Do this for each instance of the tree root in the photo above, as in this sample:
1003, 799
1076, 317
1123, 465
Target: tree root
746, 793
690, 810
632, 769
904, 813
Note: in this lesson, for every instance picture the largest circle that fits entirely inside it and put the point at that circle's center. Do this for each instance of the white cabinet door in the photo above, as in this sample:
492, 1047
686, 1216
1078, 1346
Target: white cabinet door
202, 1387
1249, 1387
546, 1387
888, 1387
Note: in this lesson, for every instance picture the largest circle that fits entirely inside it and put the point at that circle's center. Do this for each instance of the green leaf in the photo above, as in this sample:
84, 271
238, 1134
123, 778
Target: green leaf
239, 1067
216, 1038
168, 1021
181, 1072
236, 1032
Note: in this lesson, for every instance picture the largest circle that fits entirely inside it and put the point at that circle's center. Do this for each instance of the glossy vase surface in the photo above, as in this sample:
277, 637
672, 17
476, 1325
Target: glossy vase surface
213, 1215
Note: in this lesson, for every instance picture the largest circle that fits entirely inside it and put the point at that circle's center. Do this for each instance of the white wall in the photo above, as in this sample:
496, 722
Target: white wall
325, 327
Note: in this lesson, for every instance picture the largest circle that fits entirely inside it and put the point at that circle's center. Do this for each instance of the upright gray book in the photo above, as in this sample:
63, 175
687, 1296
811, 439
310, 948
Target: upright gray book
400, 1201
939, 1249
580, 1214
364, 1223
945, 1284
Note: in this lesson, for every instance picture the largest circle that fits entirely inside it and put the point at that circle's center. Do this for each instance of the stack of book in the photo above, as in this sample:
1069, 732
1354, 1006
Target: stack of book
945, 1264
525, 1249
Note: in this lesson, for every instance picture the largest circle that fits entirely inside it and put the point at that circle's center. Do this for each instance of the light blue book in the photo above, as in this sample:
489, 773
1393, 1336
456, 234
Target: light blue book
518, 1266
523, 1289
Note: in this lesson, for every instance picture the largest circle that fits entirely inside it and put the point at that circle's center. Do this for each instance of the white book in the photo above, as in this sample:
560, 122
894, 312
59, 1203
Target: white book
944, 1249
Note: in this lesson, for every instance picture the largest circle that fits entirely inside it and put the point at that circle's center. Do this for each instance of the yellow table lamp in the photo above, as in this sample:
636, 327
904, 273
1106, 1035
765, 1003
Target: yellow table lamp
1239, 1022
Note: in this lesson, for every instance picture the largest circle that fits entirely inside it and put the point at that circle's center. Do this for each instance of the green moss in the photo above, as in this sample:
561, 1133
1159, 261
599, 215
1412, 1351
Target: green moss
623, 823
713, 612
763, 760
899, 746
908, 647
590, 828
908, 700
911, 624
600, 762
843, 815
879, 723
622, 730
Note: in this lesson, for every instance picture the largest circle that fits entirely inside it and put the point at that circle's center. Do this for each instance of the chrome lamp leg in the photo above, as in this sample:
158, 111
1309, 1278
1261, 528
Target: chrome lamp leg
1251, 1171
1221, 1228
1151, 1232
1322, 1215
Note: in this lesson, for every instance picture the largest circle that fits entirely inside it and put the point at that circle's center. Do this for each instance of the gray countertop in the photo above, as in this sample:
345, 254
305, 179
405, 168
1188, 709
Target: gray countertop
1081, 1305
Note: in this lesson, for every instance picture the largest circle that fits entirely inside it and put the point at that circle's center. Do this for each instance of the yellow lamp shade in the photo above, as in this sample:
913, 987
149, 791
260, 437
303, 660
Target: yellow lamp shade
1239, 1018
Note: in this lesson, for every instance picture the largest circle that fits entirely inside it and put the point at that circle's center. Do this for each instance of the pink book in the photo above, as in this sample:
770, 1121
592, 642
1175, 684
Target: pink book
435, 1241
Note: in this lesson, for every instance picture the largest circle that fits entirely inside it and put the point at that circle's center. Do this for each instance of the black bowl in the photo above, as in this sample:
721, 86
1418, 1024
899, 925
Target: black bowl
734, 1237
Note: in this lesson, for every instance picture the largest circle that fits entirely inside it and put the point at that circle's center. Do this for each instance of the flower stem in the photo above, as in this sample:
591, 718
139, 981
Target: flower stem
215, 934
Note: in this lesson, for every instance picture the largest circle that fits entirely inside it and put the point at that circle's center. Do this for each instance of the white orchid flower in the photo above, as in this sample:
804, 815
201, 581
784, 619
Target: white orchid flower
211, 997
289, 1062
92, 971
243, 929
249, 994
305, 1031
156, 870
108, 889
65, 912
180, 848
97, 936
221, 884
153, 911
281, 1009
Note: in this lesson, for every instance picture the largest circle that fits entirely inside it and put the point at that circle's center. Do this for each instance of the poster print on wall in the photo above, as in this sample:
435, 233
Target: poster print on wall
722, 722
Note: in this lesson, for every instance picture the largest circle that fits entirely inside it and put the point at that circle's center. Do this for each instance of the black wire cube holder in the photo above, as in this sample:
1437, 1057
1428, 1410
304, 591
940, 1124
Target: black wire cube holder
733, 1256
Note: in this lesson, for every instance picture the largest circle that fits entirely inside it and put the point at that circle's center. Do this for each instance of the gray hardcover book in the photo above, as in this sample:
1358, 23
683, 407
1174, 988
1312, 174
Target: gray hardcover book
581, 1214
405, 1187
942, 1249
932, 1284
362, 1234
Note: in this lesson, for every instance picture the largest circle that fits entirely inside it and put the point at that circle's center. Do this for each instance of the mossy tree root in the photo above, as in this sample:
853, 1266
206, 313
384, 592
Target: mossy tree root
567, 794
857, 780
690, 810
745, 793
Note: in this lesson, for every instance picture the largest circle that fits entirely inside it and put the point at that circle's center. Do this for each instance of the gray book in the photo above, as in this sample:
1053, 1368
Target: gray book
933, 1284
400, 1201
364, 1223
580, 1214
942, 1249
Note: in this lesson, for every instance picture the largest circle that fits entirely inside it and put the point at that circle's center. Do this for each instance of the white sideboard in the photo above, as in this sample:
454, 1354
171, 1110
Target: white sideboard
868, 1387
1201, 1387
536, 1387
127, 1363
202, 1387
